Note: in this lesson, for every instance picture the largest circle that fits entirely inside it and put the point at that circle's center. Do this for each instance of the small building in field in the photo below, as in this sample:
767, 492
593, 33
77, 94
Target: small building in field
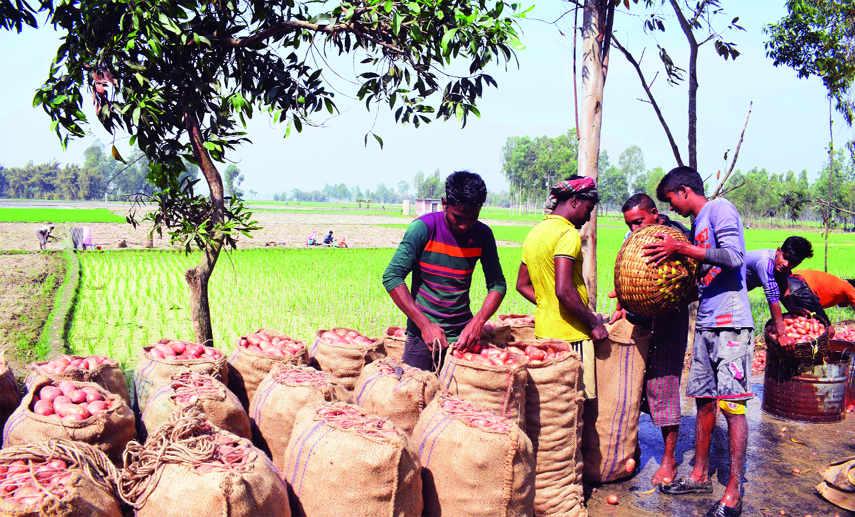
427, 206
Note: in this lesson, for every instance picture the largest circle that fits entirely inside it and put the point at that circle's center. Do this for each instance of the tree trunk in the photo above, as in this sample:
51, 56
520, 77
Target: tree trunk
693, 80
830, 179
594, 69
197, 278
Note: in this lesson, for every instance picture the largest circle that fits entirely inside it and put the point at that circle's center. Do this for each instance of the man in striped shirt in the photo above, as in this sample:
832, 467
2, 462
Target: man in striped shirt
441, 249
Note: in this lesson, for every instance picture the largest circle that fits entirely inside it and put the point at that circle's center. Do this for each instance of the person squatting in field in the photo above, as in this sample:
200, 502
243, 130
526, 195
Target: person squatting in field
550, 274
43, 233
770, 269
723, 346
441, 250
829, 289
667, 346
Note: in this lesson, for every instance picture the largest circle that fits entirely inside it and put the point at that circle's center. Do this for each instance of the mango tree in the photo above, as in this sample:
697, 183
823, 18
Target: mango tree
182, 76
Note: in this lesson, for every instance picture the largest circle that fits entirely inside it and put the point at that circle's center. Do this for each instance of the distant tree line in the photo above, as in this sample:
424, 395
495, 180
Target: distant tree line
432, 186
99, 175
531, 165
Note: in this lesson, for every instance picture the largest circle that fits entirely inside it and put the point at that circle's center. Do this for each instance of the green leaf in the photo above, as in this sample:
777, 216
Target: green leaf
209, 146
379, 140
396, 23
118, 156
132, 140
388, 6
140, 78
136, 115
445, 39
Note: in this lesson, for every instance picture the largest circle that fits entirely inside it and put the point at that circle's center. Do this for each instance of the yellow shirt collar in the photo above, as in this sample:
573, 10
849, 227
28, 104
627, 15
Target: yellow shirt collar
558, 217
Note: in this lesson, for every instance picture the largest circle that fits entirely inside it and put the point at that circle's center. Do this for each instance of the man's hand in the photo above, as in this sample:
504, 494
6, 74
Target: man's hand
620, 312
599, 333
787, 342
470, 336
831, 331
433, 334
803, 312
658, 252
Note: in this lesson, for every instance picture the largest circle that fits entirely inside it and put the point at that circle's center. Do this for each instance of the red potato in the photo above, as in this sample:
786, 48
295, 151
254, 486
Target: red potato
612, 499
43, 408
49, 393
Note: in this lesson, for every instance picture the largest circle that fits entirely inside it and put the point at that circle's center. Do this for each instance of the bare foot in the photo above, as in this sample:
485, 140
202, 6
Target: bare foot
665, 474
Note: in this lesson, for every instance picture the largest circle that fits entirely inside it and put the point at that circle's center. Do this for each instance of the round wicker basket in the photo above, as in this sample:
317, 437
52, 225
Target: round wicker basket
647, 289
814, 351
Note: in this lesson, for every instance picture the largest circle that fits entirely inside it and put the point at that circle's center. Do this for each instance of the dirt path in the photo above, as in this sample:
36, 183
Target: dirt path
28, 282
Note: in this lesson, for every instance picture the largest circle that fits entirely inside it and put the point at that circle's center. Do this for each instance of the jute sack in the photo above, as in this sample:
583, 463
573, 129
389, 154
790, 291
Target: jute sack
10, 394
341, 360
190, 468
107, 374
496, 333
519, 332
610, 435
151, 372
498, 388
221, 406
553, 413
341, 461
87, 491
393, 342
109, 430
396, 391
247, 368
473, 467
284, 392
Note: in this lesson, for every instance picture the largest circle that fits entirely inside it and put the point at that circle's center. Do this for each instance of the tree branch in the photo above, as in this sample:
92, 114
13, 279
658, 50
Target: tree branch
575, 87
634, 63
735, 155
832, 206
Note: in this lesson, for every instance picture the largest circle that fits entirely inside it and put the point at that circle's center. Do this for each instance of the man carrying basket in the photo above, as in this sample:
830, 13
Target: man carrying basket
667, 346
723, 346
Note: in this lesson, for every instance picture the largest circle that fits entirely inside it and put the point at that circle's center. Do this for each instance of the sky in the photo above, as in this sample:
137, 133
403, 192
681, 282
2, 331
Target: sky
788, 128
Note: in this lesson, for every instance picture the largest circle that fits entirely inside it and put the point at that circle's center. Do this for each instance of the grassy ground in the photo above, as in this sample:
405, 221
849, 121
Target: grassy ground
58, 215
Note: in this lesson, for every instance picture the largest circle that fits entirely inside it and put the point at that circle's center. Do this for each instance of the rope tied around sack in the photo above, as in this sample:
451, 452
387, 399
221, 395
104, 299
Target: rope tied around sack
185, 439
92, 463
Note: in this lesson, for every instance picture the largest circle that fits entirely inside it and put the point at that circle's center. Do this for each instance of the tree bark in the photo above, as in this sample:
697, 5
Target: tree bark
594, 70
197, 277
693, 80
830, 178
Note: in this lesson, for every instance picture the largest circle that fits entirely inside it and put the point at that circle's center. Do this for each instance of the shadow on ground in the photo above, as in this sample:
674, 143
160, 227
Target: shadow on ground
770, 485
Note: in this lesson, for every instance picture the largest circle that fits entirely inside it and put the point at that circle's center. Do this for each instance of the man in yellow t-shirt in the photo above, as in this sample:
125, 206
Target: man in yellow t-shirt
550, 275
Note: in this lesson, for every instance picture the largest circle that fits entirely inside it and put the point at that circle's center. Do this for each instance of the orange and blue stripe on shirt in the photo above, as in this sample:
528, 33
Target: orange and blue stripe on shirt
442, 265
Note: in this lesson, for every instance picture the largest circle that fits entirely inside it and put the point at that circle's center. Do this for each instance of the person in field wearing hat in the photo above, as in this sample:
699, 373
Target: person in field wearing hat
723, 346
441, 250
667, 346
550, 274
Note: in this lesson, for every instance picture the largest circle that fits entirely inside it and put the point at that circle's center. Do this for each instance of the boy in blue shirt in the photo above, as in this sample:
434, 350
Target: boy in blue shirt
723, 345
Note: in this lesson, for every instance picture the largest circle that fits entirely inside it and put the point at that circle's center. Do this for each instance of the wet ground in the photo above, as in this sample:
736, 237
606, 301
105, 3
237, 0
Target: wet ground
775, 448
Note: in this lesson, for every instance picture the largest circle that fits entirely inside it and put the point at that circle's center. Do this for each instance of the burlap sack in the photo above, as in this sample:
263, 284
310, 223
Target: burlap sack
394, 345
152, 372
10, 394
107, 374
496, 333
90, 491
248, 368
343, 362
498, 388
333, 471
553, 414
518, 332
161, 478
610, 435
222, 408
400, 396
109, 430
471, 472
277, 401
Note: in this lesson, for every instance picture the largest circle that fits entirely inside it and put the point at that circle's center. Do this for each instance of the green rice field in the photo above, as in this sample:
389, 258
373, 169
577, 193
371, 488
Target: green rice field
58, 215
130, 298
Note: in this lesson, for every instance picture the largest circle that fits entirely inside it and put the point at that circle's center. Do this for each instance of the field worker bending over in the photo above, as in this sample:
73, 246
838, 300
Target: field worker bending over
43, 233
769, 269
441, 250
550, 274
830, 289
667, 347
723, 345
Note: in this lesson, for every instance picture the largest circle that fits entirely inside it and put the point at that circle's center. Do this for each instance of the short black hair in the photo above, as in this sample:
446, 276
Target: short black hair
638, 200
680, 177
797, 248
466, 189
851, 282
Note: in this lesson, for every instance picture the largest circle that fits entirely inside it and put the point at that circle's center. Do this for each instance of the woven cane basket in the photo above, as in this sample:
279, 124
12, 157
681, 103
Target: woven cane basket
815, 350
647, 289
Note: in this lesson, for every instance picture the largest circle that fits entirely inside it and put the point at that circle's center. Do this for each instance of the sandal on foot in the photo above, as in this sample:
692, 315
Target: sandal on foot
687, 486
720, 510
